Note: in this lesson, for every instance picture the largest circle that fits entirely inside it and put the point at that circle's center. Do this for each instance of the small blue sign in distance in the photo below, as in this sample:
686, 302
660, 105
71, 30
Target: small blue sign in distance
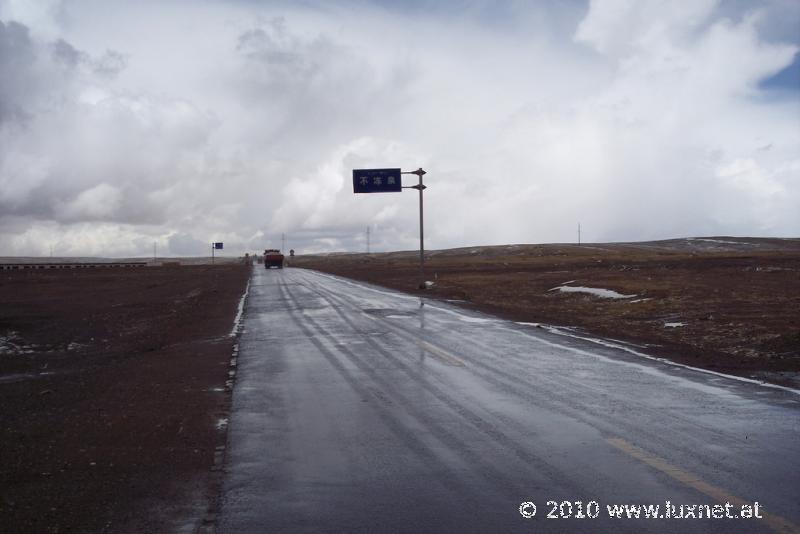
217, 246
377, 181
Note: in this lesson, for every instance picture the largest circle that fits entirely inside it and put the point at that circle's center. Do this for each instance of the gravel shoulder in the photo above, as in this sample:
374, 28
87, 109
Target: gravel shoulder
112, 386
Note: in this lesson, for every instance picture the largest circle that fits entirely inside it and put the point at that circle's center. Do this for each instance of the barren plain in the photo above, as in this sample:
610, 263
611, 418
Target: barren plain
112, 381
112, 387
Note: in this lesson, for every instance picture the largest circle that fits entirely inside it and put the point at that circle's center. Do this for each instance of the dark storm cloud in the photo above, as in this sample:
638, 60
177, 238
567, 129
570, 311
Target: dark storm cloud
77, 151
182, 244
16, 56
110, 64
67, 54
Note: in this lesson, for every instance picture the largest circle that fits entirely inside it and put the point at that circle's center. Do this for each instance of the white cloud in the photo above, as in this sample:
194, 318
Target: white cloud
620, 28
188, 123
102, 201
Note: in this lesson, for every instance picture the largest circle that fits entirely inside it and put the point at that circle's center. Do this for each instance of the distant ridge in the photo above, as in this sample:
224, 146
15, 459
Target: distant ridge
708, 244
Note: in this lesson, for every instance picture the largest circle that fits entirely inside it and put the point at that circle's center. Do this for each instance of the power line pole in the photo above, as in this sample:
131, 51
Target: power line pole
154, 251
367, 239
283, 242
579, 233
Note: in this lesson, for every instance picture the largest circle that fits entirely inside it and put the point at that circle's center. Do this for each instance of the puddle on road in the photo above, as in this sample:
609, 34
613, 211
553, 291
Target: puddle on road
468, 319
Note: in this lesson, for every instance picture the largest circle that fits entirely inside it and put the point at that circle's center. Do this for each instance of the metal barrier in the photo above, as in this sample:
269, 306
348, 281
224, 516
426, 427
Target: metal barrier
20, 266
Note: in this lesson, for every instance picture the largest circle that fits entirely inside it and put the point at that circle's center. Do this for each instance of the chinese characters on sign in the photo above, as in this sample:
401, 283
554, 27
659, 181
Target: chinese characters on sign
388, 181
377, 181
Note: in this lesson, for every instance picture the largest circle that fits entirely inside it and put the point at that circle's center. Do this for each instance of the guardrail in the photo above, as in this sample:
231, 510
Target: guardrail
19, 266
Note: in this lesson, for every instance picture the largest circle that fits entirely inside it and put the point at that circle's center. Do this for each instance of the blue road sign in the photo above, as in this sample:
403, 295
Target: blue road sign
377, 181
218, 246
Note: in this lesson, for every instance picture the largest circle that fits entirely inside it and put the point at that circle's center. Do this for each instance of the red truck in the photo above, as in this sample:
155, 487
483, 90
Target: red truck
273, 258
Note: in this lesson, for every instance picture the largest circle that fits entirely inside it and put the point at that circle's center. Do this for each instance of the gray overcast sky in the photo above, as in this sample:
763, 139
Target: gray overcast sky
185, 122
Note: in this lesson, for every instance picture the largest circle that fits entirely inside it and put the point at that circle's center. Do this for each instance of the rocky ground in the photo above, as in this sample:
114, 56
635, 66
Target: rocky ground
112, 387
727, 304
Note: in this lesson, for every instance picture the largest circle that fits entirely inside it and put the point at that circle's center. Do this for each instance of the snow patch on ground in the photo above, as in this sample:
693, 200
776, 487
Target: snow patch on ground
674, 325
7, 346
237, 321
640, 300
596, 291
11, 343
16, 377
719, 241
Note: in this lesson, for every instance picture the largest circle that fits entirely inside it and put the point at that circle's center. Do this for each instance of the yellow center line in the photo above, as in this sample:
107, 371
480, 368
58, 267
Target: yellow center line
440, 354
777, 523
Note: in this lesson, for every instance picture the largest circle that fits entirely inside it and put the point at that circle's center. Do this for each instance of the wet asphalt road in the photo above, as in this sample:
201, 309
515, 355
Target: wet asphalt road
358, 410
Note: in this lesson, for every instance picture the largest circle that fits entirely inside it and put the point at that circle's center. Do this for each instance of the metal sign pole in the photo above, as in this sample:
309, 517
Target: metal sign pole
212, 253
421, 239
388, 181
420, 187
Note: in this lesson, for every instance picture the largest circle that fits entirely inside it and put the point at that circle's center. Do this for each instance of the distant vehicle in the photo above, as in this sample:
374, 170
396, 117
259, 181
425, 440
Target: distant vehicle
273, 258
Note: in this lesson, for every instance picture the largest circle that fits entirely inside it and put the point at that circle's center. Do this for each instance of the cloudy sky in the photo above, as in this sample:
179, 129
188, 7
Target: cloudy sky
128, 123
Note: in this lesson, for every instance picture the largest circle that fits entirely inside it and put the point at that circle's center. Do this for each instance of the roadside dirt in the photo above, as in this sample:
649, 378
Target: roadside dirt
112, 387
731, 305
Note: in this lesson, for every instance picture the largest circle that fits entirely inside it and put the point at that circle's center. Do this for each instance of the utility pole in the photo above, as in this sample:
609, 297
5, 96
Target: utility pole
367, 239
579, 233
154, 251
283, 242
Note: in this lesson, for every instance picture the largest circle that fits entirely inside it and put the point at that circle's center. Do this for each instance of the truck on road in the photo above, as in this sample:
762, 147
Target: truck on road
273, 258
